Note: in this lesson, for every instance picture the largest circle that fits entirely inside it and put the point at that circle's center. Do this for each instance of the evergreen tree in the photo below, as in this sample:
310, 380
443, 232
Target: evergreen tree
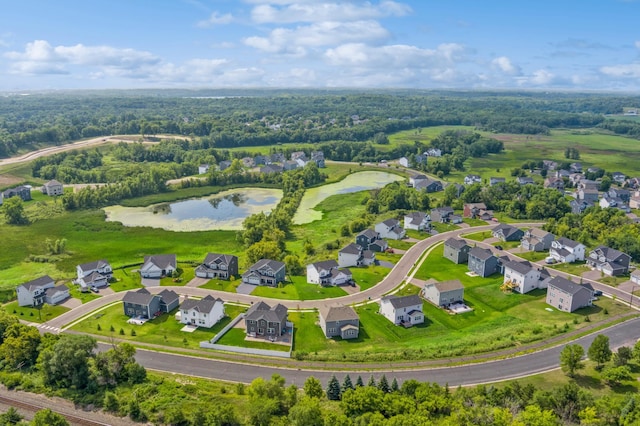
333, 389
394, 385
372, 382
383, 384
359, 382
346, 384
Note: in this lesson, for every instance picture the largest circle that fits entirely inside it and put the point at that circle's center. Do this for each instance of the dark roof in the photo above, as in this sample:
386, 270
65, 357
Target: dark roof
218, 258
567, 242
38, 282
205, 304
261, 310
609, 253
338, 313
351, 249
480, 253
325, 264
520, 267
391, 222
449, 285
455, 243
403, 301
93, 265
162, 260
568, 286
168, 296
138, 297
416, 217
369, 233
272, 264
506, 229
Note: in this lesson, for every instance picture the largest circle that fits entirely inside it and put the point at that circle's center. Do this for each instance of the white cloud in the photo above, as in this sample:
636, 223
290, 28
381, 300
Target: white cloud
638, 44
505, 65
393, 56
622, 71
300, 11
538, 78
216, 19
294, 41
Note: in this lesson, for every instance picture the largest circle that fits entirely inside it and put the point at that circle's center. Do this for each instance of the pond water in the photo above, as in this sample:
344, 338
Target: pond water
225, 210
353, 183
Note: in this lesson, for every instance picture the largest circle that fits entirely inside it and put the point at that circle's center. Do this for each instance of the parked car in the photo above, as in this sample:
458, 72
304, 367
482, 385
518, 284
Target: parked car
95, 289
597, 293
549, 260
499, 247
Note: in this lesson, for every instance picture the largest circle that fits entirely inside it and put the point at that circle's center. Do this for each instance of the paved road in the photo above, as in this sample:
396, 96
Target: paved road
622, 334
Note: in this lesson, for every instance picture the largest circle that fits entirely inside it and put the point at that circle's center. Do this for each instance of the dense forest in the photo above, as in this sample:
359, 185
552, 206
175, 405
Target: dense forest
249, 118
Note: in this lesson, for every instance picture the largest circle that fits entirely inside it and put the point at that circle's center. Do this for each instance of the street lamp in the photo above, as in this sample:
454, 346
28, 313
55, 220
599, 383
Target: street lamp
631, 297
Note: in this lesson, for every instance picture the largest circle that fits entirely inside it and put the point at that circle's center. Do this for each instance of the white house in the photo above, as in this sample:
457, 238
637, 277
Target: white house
405, 310
417, 178
158, 265
52, 188
203, 168
404, 161
354, 255
391, 229
94, 274
434, 152
327, 273
471, 179
635, 276
417, 221
32, 293
205, 312
564, 250
55, 295
523, 276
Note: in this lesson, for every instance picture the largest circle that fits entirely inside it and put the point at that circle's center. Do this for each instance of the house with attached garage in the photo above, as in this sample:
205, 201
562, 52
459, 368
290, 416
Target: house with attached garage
32, 293
536, 239
506, 232
610, 261
444, 293
496, 180
482, 262
402, 310
158, 266
328, 273
141, 303
415, 179
444, 215
94, 274
522, 276
265, 272
340, 321
24, 192
264, 320
220, 266
471, 179
355, 255
568, 296
428, 185
370, 240
205, 312
456, 250
476, 211
564, 250
418, 221
56, 295
52, 188
635, 276
390, 229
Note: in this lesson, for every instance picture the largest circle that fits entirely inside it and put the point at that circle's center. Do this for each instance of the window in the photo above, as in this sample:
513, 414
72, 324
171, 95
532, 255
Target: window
332, 330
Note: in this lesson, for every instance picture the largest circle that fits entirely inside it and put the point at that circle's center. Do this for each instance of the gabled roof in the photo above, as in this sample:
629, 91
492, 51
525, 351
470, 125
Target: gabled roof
168, 296
569, 286
98, 264
481, 253
338, 313
391, 222
455, 243
269, 263
538, 233
369, 233
325, 264
351, 249
445, 209
520, 267
218, 259
204, 305
567, 242
52, 182
162, 260
450, 285
261, 310
416, 217
610, 254
506, 229
53, 290
399, 302
37, 283
138, 297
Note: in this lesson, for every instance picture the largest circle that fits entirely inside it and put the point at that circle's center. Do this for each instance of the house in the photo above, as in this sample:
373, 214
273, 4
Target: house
428, 185
444, 293
265, 272
340, 321
264, 320
576, 178
635, 276
247, 162
482, 262
300, 158
536, 239
442, 214
328, 273
141, 304
158, 265
404, 162
568, 296
52, 188
220, 266
549, 165
564, 250
413, 180
405, 310
205, 312
496, 180
420, 159
610, 261
169, 300
94, 274
271, 168
522, 276
289, 165
476, 211
618, 177
578, 207
203, 168
506, 232
24, 192
355, 255
277, 157
370, 240
588, 184
32, 293
390, 229
260, 160
623, 194
575, 167
456, 250
608, 201
318, 158
525, 180
417, 221
587, 195
562, 173
633, 183
55, 295
434, 152
224, 164
554, 183
471, 179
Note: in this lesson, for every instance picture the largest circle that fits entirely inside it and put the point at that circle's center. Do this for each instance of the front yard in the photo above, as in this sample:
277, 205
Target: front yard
27, 313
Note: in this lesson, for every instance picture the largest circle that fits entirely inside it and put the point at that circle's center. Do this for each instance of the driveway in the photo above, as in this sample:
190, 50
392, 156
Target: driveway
71, 303
629, 286
592, 275
245, 288
386, 263
151, 282
197, 282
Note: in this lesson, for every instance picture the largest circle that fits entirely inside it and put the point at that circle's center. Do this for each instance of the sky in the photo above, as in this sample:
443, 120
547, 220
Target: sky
580, 45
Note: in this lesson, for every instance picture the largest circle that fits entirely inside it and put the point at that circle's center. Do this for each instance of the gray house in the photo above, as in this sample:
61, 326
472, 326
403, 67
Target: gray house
32, 293
217, 265
264, 320
535, 239
456, 250
340, 321
482, 262
265, 272
442, 214
141, 303
568, 296
610, 261
24, 192
370, 240
505, 232
444, 293
169, 300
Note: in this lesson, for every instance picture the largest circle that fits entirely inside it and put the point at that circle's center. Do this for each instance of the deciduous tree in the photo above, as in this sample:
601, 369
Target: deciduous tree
599, 350
570, 359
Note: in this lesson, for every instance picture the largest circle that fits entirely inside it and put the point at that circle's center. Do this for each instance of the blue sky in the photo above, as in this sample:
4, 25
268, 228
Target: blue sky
463, 44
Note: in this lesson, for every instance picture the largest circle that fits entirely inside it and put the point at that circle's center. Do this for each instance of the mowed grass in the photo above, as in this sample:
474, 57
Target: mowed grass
368, 276
30, 314
163, 330
299, 289
236, 337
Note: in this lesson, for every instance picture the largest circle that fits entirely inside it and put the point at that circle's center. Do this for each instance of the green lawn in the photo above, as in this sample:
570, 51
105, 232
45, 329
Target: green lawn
27, 313
400, 244
299, 289
576, 268
478, 236
444, 227
533, 256
164, 330
367, 277
126, 279
474, 222
222, 285
236, 337
614, 281
418, 235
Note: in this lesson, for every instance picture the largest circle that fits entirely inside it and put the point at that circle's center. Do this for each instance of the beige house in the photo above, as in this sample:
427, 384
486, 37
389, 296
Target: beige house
340, 321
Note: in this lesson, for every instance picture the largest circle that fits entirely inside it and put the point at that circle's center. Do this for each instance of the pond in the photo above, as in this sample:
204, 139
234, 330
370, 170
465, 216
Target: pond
223, 211
355, 182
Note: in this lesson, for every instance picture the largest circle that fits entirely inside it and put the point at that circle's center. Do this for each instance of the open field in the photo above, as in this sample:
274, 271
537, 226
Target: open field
299, 289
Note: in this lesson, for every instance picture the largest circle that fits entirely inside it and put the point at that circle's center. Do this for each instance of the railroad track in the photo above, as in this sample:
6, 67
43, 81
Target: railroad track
73, 419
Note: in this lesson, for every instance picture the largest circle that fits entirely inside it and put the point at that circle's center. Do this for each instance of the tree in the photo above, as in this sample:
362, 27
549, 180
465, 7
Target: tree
313, 388
394, 385
347, 384
359, 382
622, 356
14, 211
333, 389
383, 384
10, 417
599, 350
570, 359
66, 363
47, 417
614, 375
306, 413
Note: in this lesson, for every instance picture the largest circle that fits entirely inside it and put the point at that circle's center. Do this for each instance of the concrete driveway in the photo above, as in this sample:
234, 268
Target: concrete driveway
245, 288
197, 282
151, 282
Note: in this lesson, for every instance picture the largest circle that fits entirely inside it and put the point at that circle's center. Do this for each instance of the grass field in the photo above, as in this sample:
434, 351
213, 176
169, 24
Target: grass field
236, 337
29, 314
299, 289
